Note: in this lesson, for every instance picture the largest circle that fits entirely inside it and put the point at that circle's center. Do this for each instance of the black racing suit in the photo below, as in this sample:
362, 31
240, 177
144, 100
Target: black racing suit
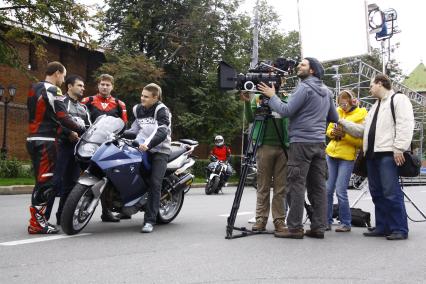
67, 169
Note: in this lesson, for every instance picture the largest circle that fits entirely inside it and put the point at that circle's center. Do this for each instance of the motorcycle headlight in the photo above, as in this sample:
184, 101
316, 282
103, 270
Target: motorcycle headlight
87, 150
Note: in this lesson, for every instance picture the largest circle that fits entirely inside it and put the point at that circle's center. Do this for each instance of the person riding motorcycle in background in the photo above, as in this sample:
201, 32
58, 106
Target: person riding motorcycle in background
222, 153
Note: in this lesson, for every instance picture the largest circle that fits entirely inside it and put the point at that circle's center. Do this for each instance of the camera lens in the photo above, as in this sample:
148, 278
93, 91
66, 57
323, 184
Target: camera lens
249, 86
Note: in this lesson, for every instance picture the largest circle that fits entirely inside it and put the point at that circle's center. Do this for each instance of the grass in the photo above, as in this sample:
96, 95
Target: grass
16, 181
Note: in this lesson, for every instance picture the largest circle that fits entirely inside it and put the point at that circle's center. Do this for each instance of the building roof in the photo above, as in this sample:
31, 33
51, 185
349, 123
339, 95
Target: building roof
54, 35
417, 79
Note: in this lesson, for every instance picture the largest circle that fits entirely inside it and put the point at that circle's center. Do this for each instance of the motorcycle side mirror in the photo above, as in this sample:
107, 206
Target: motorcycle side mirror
129, 135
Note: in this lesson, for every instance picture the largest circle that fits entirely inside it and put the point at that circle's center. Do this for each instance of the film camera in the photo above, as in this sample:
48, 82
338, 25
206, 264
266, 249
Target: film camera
266, 72
270, 73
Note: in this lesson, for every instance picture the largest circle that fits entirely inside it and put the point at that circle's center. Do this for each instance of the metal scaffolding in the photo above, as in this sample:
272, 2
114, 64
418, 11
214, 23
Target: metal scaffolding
356, 76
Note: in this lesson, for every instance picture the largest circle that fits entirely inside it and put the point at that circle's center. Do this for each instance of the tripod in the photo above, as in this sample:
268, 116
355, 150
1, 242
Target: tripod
365, 190
261, 117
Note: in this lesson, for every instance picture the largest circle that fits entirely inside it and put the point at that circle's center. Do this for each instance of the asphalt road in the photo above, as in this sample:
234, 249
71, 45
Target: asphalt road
192, 249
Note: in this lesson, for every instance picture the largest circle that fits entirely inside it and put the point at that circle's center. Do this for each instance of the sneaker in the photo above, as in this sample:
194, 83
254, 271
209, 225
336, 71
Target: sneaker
279, 225
38, 223
290, 233
147, 228
343, 229
314, 234
260, 224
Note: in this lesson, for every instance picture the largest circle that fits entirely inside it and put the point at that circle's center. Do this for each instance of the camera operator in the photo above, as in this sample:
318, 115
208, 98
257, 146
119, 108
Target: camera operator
309, 108
271, 164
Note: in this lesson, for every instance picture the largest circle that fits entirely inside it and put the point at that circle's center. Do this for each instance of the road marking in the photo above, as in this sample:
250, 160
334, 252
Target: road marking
423, 191
41, 239
238, 214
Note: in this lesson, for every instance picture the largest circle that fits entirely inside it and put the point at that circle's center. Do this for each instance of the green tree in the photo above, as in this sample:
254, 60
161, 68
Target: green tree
26, 22
186, 39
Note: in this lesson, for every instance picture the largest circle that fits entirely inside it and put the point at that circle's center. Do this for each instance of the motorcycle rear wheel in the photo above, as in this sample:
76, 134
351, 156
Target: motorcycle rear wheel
74, 215
170, 205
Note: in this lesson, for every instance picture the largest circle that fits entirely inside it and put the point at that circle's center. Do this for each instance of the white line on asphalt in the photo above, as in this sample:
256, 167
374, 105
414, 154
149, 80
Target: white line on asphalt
42, 239
238, 214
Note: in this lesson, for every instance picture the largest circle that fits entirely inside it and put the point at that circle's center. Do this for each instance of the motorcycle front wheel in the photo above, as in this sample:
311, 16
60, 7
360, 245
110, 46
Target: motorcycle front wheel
170, 205
74, 215
212, 185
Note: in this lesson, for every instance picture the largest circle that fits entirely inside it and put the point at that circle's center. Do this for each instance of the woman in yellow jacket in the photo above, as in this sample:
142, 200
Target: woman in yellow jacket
341, 153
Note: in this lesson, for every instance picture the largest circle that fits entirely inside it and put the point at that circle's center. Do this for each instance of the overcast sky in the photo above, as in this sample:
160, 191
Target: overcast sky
411, 15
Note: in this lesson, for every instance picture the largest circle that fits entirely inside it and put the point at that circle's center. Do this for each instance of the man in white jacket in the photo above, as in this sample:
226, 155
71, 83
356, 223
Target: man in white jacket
384, 144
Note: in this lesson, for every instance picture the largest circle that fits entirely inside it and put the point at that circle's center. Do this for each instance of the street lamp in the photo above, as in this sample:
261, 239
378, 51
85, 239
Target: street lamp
6, 99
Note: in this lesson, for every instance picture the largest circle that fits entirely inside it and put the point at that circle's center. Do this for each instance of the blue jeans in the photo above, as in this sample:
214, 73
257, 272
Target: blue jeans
339, 174
387, 195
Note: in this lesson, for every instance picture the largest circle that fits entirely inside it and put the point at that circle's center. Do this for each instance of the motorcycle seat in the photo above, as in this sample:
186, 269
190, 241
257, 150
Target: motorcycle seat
176, 151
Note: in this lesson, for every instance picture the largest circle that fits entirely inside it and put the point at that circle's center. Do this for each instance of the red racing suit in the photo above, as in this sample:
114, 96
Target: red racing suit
47, 112
98, 105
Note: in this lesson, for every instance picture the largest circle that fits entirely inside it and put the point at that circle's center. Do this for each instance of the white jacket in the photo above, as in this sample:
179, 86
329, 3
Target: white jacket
389, 137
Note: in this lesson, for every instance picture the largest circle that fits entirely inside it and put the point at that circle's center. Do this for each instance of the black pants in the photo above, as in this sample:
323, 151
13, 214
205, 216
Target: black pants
67, 171
307, 170
43, 158
159, 166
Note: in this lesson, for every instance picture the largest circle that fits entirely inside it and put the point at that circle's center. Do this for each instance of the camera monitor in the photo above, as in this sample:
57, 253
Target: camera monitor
227, 76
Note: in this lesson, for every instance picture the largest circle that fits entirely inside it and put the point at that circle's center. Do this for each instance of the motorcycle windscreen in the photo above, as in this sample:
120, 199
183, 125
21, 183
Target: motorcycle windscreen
102, 129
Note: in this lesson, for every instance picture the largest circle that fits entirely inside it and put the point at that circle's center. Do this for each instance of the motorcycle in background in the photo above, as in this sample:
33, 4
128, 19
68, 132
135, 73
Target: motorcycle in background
216, 172
118, 170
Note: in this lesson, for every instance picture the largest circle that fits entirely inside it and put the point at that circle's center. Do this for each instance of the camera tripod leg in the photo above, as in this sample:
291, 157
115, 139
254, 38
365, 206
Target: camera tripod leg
365, 190
414, 204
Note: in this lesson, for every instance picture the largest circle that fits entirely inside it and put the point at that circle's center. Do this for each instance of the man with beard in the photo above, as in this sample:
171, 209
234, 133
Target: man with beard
67, 169
309, 108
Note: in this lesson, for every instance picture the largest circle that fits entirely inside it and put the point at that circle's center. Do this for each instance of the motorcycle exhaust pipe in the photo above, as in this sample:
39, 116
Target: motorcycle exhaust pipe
185, 181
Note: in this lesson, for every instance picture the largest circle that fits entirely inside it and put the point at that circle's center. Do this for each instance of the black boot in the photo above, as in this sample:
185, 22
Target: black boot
107, 216
123, 216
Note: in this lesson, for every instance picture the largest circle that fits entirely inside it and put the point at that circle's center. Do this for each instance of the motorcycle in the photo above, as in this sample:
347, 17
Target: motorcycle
118, 170
216, 172
251, 179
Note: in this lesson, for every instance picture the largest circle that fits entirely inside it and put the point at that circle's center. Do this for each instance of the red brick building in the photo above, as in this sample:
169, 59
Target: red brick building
75, 57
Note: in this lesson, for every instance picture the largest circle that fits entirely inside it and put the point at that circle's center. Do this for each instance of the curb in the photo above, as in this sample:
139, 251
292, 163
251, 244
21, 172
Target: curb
28, 189
16, 189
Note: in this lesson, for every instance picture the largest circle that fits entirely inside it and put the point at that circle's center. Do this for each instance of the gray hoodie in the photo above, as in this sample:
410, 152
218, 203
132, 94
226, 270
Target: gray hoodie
310, 108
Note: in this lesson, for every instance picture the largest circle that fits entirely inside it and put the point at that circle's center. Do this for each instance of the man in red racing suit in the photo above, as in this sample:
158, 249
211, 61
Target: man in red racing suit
97, 105
47, 112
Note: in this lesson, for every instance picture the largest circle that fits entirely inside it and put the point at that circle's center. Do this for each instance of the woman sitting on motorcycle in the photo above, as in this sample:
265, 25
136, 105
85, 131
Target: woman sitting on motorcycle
153, 125
223, 153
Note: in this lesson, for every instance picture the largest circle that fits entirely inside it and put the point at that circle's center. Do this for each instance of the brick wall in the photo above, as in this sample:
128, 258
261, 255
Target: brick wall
77, 60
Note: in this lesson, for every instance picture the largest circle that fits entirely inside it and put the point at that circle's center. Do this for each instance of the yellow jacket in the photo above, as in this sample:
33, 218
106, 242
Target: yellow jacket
346, 148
